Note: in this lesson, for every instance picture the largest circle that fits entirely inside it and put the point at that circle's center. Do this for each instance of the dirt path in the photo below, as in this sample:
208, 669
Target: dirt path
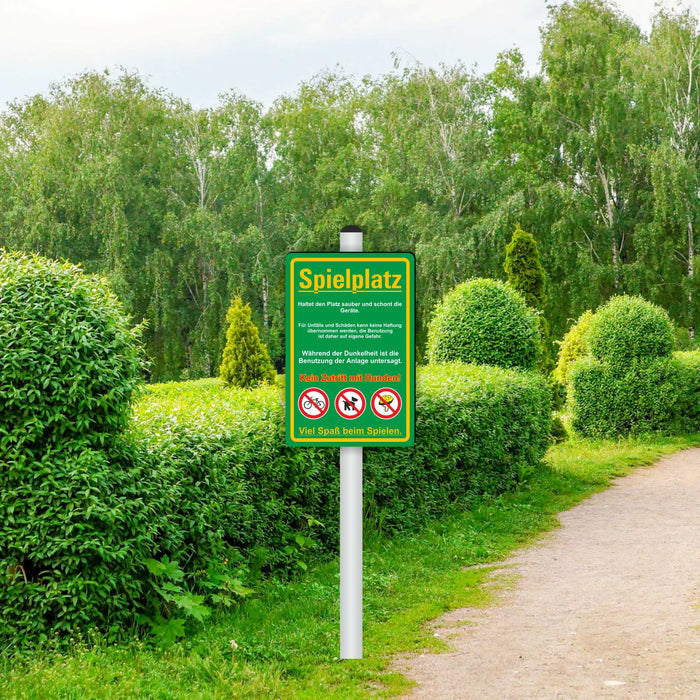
606, 606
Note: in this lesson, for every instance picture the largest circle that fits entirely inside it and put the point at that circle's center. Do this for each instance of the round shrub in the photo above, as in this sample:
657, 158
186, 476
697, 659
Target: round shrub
629, 328
484, 322
573, 347
74, 525
70, 360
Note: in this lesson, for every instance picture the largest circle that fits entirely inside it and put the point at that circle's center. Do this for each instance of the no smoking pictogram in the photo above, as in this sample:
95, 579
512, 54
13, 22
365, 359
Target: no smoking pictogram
350, 403
386, 403
313, 403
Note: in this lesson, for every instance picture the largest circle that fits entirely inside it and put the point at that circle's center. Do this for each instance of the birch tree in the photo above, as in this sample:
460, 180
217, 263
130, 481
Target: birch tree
669, 87
584, 50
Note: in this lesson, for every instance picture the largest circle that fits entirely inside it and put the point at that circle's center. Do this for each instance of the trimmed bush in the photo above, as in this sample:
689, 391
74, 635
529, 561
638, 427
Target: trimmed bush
610, 401
631, 383
72, 514
484, 322
630, 328
70, 362
573, 347
203, 473
688, 407
246, 361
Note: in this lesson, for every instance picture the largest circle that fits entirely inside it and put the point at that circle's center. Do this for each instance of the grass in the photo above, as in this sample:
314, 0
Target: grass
288, 633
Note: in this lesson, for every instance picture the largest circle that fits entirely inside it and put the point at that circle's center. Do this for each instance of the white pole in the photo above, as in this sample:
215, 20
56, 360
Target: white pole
351, 520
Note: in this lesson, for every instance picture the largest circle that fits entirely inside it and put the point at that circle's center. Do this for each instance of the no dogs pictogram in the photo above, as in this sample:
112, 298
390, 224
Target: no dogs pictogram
313, 403
385, 403
350, 403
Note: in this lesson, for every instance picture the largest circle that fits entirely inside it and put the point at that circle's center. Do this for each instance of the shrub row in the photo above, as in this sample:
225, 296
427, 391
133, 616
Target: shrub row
477, 428
203, 474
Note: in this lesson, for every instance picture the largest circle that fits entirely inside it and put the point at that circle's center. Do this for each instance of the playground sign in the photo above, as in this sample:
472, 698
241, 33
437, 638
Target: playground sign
350, 357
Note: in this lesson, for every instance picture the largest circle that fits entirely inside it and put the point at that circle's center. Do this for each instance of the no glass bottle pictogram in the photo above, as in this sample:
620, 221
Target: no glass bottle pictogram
385, 403
313, 403
350, 403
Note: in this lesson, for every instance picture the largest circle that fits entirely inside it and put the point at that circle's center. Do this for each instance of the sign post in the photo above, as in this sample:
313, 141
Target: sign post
350, 379
350, 523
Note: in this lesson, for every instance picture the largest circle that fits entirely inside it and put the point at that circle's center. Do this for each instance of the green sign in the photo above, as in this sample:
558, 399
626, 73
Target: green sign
350, 356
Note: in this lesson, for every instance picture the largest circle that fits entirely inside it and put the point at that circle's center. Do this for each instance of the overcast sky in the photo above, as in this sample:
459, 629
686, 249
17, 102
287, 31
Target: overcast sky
198, 49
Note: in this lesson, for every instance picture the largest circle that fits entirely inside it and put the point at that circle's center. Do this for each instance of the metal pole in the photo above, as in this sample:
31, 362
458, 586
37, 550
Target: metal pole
351, 519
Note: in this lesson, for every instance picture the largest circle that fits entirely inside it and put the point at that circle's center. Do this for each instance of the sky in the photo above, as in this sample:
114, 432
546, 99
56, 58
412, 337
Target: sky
199, 49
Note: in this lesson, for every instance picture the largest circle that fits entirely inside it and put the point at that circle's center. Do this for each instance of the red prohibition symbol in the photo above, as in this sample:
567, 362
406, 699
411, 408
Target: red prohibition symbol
350, 403
385, 403
313, 403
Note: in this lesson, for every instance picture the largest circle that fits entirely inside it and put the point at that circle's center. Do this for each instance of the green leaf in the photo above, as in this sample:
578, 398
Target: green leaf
168, 632
193, 605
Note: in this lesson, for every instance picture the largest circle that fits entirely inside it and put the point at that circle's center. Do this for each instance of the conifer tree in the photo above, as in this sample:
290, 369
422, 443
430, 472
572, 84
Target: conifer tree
527, 276
524, 269
246, 361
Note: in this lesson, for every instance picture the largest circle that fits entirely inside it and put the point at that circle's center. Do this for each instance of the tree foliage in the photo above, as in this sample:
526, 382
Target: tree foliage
177, 207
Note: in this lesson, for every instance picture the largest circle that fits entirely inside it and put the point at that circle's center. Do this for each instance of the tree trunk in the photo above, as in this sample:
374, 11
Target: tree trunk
691, 254
265, 293
610, 221
616, 263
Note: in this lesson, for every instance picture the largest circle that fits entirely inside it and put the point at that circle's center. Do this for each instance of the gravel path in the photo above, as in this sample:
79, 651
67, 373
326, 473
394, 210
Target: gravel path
606, 606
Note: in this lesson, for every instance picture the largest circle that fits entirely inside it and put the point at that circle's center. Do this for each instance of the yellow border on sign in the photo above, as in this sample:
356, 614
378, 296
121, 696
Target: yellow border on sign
409, 365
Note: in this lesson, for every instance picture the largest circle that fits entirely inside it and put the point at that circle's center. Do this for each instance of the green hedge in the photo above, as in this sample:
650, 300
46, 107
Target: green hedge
659, 394
231, 480
477, 428
688, 408
203, 475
